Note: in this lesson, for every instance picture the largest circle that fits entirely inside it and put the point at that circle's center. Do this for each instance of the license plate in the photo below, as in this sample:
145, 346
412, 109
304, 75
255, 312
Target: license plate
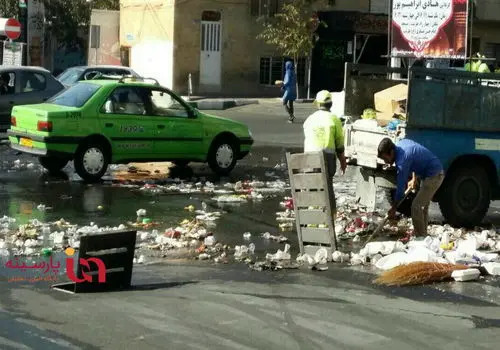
26, 142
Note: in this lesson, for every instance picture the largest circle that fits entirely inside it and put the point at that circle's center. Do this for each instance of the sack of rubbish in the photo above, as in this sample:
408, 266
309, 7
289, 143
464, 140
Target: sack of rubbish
320, 258
242, 252
280, 254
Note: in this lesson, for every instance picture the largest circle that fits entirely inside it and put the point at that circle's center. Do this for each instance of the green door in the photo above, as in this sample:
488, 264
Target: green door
180, 132
125, 121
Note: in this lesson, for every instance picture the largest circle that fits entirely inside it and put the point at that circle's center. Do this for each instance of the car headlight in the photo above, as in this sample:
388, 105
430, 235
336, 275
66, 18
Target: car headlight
250, 133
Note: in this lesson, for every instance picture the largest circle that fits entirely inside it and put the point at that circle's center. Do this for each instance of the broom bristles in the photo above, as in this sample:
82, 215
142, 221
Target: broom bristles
418, 273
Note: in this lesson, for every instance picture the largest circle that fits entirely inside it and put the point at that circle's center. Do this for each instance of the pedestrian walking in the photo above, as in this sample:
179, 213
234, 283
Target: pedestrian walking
413, 159
323, 132
289, 89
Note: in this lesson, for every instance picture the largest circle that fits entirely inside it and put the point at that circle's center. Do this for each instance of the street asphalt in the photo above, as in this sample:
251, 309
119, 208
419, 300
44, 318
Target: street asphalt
268, 122
194, 306
180, 304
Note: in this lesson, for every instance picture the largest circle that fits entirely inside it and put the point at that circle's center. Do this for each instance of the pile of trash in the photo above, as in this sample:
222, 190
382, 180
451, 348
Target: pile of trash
445, 245
351, 223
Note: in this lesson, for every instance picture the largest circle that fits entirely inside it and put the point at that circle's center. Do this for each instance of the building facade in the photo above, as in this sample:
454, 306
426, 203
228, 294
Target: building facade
104, 44
214, 43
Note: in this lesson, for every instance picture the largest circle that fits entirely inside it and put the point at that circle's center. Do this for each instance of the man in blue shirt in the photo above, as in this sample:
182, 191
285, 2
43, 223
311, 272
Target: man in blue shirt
413, 159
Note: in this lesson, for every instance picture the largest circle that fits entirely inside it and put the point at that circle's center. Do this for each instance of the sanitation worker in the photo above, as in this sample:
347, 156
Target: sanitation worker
413, 159
477, 65
323, 132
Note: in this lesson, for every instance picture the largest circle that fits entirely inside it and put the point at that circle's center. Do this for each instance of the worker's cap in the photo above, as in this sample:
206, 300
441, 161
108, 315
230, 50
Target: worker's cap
323, 97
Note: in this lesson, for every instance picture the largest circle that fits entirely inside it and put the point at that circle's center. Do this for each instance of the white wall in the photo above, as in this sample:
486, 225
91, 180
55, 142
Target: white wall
154, 59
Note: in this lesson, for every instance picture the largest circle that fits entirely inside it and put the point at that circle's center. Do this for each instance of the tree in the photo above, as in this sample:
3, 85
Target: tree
63, 18
9, 8
292, 30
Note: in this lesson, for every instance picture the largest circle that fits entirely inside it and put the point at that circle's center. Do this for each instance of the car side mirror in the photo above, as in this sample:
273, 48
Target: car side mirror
192, 104
191, 113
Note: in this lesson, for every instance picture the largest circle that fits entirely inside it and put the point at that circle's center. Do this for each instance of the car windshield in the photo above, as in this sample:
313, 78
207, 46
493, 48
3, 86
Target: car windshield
70, 75
75, 96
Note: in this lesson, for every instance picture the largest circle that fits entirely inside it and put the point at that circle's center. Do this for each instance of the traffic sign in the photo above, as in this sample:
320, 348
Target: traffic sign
10, 27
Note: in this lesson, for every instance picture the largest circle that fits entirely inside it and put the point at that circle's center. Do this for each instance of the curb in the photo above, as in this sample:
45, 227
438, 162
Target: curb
218, 105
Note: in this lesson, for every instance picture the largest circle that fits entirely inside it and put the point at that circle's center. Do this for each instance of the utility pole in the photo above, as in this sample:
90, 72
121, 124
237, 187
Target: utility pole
23, 18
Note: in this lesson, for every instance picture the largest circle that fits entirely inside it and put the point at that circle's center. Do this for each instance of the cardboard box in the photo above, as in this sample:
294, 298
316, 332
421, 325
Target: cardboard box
392, 100
384, 118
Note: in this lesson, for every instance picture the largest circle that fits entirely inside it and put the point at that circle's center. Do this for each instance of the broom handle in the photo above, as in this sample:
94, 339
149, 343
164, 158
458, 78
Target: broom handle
382, 224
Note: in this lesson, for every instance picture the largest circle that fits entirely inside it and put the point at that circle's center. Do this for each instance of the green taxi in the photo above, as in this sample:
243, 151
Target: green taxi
100, 122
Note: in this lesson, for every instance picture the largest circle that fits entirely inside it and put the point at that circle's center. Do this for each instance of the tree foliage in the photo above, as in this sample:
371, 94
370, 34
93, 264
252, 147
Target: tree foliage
64, 18
292, 30
9, 8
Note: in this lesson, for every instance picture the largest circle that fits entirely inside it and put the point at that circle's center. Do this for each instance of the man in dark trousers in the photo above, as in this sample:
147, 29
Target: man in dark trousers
413, 159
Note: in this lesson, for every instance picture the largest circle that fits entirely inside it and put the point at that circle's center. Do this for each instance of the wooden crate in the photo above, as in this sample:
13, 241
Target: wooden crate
314, 202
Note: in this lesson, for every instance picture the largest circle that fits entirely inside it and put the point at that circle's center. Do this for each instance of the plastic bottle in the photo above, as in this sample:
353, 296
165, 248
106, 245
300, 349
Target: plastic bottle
445, 239
46, 252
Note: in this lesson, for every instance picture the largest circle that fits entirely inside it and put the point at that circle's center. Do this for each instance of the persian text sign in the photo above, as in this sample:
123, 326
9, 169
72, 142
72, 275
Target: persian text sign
45, 267
429, 28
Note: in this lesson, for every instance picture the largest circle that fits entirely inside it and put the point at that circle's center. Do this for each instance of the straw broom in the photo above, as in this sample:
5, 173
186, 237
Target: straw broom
418, 273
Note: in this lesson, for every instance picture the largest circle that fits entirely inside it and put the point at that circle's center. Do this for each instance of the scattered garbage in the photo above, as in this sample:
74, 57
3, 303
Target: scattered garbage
493, 268
141, 212
243, 252
196, 236
280, 238
280, 254
466, 275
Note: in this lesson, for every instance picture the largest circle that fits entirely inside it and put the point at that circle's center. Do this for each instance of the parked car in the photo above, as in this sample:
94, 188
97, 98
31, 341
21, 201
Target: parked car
24, 85
102, 122
75, 74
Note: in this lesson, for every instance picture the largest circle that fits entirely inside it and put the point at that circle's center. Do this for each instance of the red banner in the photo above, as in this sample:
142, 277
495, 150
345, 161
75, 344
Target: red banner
434, 29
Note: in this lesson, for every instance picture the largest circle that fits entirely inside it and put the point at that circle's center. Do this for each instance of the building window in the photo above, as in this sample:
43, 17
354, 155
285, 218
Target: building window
210, 16
492, 50
266, 8
125, 56
95, 36
273, 68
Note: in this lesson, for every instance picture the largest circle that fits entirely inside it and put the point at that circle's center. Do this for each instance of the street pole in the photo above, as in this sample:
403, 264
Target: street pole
309, 75
23, 39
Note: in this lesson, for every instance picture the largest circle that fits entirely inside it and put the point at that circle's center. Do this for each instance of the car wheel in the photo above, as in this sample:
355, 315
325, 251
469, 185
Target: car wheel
465, 197
53, 164
222, 156
91, 161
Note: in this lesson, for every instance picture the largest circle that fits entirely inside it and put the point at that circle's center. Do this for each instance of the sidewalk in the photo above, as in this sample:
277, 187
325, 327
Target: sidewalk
214, 103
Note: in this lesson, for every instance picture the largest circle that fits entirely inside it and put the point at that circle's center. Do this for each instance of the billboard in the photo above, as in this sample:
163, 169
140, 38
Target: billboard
429, 28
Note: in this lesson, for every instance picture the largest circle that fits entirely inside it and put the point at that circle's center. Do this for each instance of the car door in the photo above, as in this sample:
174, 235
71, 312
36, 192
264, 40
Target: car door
8, 97
181, 132
125, 122
53, 86
33, 88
